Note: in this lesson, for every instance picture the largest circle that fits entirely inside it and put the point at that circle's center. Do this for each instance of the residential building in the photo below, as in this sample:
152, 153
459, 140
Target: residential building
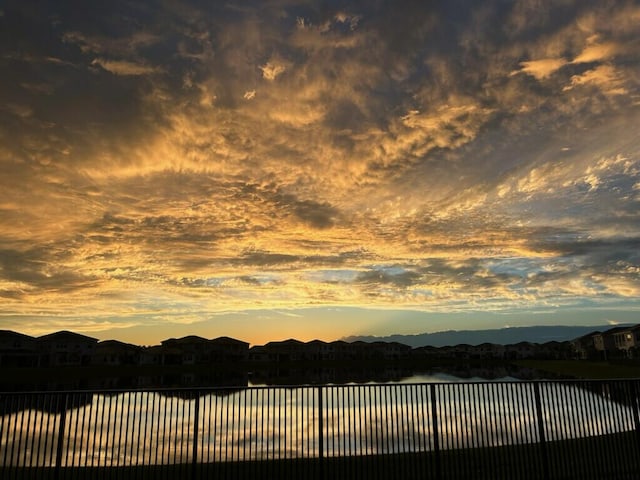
627, 340
258, 353
487, 351
584, 347
343, 351
319, 351
65, 349
427, 351
17, 350
285, 351
554, 350
520, 350
604, 343
390, 350
116, 353
226, 349
189, 350
151, 355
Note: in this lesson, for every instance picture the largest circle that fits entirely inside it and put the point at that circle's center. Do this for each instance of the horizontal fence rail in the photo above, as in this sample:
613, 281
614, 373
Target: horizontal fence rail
540, 429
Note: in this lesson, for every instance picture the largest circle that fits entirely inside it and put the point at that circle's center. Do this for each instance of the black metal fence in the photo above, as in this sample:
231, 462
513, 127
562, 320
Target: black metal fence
541, 429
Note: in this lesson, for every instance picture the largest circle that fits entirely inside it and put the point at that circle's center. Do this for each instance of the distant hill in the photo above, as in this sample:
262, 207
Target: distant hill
501, 336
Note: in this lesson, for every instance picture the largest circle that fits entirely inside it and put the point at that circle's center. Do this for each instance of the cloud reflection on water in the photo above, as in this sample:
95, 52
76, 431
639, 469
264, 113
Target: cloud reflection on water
150, 428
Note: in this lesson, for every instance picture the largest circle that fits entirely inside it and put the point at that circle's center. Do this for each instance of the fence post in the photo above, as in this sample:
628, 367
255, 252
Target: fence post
635, 393
61, 433
541, 433
194, 457
320, 433
436, 434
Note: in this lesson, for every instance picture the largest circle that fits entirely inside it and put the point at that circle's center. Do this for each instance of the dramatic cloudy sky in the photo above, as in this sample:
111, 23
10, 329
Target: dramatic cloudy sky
274, 169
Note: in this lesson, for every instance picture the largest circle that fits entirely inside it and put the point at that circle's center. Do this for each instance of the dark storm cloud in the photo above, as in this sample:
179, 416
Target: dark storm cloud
601, 258
271, 259
249, 280
417, 42
401, 279
39, 268
267, 259
315, 214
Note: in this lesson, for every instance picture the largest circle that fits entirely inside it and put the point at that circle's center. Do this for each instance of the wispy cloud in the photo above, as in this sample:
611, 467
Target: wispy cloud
124, 67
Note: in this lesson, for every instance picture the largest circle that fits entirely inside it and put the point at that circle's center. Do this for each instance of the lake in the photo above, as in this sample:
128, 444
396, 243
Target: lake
415, 414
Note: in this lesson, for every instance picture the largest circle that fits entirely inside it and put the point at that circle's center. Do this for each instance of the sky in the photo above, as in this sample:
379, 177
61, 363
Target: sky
275, 169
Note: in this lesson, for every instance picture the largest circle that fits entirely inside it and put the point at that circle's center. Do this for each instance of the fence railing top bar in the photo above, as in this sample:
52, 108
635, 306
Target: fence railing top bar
233, 388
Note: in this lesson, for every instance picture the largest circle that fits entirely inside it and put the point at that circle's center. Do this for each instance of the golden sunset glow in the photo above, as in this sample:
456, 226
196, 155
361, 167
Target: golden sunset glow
286, 169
